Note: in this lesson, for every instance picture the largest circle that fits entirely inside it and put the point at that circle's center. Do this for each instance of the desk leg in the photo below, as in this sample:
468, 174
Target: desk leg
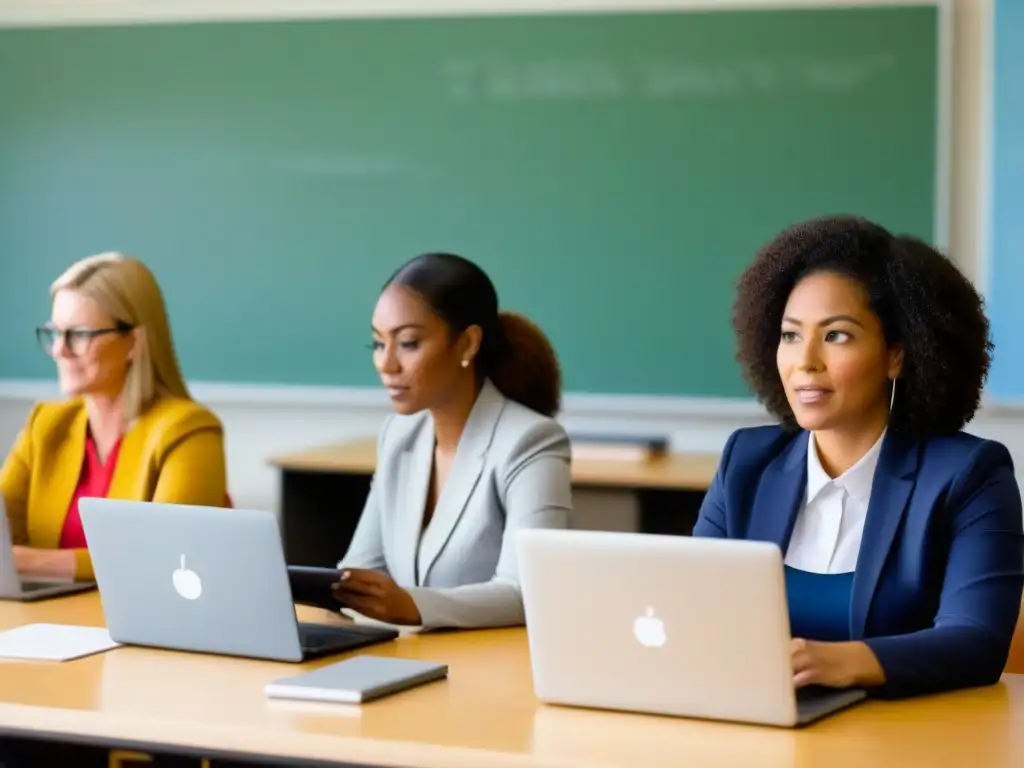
670, 512
319, 513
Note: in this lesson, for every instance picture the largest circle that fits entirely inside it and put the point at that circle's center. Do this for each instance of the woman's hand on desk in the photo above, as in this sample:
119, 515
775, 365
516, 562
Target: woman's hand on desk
376, 595
44, 563
836, 665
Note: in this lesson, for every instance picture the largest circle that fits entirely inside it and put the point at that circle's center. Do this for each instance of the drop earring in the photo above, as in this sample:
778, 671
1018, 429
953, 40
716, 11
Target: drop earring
892, 396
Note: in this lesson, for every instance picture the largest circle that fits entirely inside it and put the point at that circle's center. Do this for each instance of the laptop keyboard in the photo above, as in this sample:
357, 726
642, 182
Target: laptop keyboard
32, 586
811, 695
814, 701
316, 638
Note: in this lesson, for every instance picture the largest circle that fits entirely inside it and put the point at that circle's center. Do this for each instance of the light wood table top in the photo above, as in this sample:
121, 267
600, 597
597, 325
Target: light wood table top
677, 471
485, 714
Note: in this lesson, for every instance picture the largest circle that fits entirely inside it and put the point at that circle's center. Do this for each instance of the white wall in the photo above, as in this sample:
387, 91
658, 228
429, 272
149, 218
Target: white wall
261, 424
265, 421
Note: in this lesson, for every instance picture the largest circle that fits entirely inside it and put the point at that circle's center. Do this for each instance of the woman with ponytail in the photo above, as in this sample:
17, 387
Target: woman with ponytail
471, 456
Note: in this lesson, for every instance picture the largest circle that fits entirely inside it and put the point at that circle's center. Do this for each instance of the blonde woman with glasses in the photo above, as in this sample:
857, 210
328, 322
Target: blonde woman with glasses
128, 429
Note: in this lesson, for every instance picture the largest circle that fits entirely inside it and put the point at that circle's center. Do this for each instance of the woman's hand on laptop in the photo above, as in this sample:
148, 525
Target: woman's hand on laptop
836, 665
44, 563
376, 596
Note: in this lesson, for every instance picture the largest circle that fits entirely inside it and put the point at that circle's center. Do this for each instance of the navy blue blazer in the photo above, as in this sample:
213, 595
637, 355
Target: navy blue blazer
937, 588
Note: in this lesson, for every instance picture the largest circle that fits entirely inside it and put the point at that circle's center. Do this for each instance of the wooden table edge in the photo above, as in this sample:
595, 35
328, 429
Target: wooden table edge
120, 731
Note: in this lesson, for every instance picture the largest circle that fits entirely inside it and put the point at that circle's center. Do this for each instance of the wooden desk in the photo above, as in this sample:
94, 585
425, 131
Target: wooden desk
323, 491
485, 714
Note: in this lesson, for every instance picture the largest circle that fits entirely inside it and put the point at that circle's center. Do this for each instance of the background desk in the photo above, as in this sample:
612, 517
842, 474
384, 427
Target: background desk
484, 715
323, 491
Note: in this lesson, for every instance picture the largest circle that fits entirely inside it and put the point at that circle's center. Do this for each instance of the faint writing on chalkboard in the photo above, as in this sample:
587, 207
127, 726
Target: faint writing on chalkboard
498, 78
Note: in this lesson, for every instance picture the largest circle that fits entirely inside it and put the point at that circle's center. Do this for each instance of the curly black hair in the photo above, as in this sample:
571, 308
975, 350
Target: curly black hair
923, 302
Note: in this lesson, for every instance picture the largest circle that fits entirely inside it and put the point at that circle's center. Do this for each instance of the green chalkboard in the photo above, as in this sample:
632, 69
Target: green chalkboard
613, 173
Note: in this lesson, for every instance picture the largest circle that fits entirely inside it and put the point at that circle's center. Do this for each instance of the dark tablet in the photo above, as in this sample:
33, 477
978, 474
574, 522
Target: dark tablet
312, 586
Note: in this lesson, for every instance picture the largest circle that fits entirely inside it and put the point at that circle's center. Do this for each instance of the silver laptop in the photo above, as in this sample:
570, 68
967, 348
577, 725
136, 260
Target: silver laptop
203, 579
672, 625
14, 587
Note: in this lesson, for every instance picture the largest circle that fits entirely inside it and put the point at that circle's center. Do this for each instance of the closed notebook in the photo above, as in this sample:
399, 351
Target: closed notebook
358, 679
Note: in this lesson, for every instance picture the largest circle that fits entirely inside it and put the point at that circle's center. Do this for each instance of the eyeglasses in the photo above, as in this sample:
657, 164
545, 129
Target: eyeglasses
76, 340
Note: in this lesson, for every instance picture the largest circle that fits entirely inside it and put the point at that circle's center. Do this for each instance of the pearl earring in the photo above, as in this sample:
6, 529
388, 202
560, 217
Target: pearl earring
465, 363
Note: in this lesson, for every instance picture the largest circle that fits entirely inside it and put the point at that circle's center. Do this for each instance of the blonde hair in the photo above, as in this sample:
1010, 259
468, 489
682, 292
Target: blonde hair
126, 290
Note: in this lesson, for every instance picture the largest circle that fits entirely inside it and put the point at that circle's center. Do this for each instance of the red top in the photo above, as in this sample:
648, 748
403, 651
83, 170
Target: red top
94, 481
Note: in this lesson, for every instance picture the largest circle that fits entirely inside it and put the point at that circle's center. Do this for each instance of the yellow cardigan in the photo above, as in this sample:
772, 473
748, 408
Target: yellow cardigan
173, 453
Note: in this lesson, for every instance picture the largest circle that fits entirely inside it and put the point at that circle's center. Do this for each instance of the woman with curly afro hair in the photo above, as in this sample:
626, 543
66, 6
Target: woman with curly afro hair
901, 534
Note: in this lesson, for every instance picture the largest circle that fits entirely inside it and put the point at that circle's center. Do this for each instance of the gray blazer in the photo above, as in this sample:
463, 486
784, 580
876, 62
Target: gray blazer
511, 471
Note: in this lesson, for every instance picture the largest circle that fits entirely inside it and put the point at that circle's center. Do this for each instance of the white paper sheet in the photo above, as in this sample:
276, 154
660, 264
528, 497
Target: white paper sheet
54, 642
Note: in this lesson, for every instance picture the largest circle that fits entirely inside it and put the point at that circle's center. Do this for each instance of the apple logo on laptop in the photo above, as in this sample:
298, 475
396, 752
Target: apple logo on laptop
186, 582
649, 629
